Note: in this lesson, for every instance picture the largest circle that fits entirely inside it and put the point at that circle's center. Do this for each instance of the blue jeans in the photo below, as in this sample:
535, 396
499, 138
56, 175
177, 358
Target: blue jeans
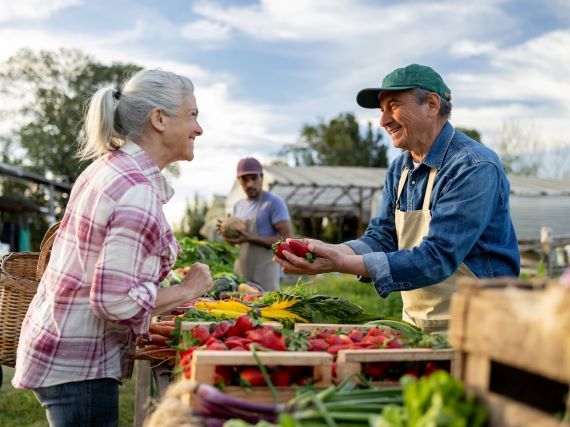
90, 403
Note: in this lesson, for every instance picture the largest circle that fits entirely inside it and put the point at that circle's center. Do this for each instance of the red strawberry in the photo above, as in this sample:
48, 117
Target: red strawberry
334, 349
201, 333
281, 377
355, 335
218, 345
335, 340
394, 343
244, 324
223, 375
279, 247
232, 342
318, 345
252, 377
301, 249
221, 329
376, 370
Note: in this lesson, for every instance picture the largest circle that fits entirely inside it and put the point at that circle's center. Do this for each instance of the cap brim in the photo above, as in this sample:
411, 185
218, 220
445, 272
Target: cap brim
369, 98
250, 173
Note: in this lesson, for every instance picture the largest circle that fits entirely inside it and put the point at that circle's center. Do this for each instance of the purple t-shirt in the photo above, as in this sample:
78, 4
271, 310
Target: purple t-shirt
272, 210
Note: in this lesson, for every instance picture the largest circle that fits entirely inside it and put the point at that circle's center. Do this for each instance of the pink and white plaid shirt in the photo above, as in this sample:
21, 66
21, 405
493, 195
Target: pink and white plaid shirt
113, 247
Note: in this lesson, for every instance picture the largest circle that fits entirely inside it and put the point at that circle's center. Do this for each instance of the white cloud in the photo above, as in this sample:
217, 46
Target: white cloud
205, 30
467, 48
33, 10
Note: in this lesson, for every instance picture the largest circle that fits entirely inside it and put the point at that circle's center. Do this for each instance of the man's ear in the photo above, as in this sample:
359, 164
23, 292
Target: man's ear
156, 119
433, 103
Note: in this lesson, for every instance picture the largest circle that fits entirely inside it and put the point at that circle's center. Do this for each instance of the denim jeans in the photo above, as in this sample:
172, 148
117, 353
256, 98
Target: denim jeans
90, 403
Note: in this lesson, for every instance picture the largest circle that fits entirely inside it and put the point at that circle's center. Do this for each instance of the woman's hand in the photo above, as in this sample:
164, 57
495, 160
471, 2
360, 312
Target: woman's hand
197, 281
329, 258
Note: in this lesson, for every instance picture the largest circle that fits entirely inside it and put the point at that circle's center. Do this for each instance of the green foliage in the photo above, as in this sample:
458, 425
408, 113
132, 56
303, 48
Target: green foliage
438, 400
53, 87
194, 217
338, 143
219, 256
363, 294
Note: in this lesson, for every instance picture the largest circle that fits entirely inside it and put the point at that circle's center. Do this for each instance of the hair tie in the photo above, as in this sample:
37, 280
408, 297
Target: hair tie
117, 93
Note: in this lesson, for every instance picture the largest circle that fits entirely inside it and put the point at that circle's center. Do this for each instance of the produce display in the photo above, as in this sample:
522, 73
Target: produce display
438, 400
296, 304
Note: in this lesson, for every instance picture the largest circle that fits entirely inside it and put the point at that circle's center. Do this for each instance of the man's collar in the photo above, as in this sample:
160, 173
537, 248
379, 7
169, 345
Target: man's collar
434, 158
150, 169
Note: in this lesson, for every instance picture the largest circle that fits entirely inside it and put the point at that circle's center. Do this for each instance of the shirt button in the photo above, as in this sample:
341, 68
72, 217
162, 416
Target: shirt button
413, 182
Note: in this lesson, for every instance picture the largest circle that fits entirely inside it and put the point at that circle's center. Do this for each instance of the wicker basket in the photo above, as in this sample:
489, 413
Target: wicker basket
20, 273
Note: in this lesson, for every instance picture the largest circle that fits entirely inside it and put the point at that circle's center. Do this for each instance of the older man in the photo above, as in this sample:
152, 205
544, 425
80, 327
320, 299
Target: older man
445, 206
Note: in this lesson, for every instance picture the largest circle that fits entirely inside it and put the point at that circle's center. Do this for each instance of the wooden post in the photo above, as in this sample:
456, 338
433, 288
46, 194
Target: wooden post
142, 390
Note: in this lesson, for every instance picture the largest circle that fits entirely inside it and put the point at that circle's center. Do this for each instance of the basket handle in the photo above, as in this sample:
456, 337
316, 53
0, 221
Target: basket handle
45, 249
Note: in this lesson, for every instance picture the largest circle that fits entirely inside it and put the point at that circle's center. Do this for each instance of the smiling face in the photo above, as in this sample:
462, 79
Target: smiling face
406, 121
181, 130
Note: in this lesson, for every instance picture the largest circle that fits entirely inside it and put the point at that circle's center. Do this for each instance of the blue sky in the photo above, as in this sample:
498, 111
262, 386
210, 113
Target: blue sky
264, 68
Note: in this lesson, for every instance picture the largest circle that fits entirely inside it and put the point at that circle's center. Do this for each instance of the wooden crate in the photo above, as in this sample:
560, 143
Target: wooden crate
204, 364
352, 361
514, 343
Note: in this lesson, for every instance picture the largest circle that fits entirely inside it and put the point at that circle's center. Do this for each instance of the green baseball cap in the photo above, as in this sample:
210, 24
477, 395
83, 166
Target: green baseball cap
412, 76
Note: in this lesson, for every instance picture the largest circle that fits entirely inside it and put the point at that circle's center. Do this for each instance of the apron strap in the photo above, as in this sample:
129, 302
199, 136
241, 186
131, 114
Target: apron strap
401, 184
429, 188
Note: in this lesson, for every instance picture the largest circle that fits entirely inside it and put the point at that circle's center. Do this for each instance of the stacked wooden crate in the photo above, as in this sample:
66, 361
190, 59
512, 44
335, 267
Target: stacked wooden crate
514, 343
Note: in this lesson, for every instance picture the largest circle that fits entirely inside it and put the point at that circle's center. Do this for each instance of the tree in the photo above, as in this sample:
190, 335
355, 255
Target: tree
338, 143
194, 217
519, 149
51, 89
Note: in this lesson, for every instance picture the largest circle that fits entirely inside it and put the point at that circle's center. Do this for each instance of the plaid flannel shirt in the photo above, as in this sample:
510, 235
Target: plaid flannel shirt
113, 247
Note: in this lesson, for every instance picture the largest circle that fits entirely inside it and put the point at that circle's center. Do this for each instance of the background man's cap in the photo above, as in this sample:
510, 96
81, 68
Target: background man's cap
409, 77
249, 166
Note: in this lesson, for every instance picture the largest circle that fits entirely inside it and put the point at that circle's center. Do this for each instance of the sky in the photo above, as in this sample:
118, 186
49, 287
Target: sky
262, 69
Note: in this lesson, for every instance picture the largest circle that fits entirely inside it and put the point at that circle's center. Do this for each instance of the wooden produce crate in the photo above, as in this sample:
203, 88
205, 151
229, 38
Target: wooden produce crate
204, 364
514, 343
355, 361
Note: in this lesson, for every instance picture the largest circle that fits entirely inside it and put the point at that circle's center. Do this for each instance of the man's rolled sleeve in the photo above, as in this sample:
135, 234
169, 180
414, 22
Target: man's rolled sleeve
358, 246
378, 268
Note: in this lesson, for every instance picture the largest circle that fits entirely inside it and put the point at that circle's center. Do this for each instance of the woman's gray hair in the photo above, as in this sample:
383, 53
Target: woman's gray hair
444, 105
115, 115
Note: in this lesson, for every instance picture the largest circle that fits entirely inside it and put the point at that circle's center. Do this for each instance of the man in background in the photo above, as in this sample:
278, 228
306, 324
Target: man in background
266, 221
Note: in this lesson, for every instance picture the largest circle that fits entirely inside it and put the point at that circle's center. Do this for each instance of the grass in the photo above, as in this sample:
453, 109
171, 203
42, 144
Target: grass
20, 408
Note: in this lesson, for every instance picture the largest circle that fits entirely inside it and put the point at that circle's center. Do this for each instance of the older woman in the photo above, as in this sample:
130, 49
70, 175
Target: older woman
112, 249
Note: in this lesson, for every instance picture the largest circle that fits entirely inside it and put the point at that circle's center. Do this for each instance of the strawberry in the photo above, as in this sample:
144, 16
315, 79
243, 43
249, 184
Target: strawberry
281, 377
243, 324
301, 249
252, 377
221, 329
376, 370
355, 335
334, 349
201, 333
280, 246
218, 345
318, 345
232, 342
335, 340
223, 375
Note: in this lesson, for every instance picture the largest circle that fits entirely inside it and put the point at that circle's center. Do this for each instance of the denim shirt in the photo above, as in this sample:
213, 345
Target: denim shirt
470, 218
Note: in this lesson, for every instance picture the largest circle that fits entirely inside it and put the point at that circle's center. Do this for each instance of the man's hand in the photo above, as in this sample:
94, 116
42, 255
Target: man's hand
244, 237
328, 259
197, 281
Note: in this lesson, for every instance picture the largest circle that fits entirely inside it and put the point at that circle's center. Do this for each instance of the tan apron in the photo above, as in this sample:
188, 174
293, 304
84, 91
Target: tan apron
255, 262
427, 307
